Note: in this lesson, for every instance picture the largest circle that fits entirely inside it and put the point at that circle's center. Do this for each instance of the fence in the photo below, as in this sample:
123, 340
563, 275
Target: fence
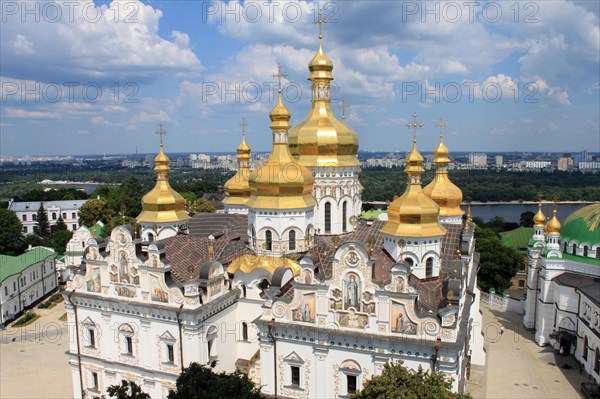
501, 302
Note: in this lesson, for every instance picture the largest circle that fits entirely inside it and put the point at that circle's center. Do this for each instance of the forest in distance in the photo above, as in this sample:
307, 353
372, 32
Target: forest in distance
380, 184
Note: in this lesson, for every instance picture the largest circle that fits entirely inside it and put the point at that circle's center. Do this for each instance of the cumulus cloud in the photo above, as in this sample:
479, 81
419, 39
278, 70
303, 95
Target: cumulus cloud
115, 41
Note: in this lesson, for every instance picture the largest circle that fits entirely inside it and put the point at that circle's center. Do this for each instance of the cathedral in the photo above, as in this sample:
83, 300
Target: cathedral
289, 285
562, 304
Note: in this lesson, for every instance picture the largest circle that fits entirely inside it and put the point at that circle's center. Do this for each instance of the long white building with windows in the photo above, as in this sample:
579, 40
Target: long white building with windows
26, 212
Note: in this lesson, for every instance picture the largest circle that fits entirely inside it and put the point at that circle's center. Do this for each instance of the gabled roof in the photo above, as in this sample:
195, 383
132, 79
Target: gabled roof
11, 265
33, 206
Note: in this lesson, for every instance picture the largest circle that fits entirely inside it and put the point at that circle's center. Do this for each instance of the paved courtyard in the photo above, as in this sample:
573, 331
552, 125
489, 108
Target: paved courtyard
33, 363
518, 368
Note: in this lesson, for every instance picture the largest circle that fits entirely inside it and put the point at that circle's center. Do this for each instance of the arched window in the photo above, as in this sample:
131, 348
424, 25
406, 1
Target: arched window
53, 215
565, 247
292, 240
150, 237
253, 235
268, 240
585, 251
344, 216
585, 348
409, 262
328, 217
429, 267
245, 331
597, 252
243, 291
574, 249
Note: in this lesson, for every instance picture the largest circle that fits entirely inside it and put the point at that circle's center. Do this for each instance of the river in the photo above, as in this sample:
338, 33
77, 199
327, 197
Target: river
511, 212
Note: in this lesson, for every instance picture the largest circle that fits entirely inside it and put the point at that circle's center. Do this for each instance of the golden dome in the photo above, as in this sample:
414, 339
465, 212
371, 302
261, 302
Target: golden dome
445, 193
539, 220
281, 182
413, 214
321, 139
237, 189
162, 204
553, 226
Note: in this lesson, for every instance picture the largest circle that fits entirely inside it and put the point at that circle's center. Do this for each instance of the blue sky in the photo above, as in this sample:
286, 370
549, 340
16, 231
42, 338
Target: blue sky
87, 77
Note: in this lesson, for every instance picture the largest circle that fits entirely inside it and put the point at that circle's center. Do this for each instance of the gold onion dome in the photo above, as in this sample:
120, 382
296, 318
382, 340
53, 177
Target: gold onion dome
539, 219
413, 214
281, 182
441, 189
321, 139
162, 204
237, 189
553, 226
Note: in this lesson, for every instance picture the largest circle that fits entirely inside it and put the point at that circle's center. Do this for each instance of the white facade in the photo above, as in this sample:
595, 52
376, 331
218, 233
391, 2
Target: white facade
27, 213
478, 160
337, 192
421, 254
278, 232
33, 279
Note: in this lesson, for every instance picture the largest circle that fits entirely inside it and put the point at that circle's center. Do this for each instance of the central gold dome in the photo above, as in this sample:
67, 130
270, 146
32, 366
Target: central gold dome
281, 182
321, 139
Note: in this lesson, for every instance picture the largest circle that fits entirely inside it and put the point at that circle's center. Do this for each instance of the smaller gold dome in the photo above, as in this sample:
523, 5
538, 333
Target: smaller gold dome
441, 189
553, 226
162, 204
539, 220
281, 182
413, 214
237, 189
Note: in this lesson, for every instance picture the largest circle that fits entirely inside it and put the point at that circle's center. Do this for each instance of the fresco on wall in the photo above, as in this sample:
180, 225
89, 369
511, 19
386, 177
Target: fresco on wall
157, 294
306, 311
124, 290
94, 283
352, 320
400, 321
352, 292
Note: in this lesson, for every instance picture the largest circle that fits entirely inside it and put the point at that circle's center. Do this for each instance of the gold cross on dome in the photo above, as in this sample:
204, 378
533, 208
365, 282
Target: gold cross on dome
441, 125
161, 132
279, 75
540, 195
414, 125
243, 125
343, 105
320, 22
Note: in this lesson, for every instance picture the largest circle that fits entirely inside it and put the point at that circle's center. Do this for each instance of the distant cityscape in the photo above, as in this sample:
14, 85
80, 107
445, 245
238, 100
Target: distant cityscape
584, 161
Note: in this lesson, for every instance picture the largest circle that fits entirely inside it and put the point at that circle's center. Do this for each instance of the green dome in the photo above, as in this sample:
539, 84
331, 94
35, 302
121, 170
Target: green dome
583, 225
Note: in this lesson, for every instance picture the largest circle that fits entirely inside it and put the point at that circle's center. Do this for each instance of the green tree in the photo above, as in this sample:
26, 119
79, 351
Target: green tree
127, 390
200, 205
92, 211
11, 233
397, 382
200, 382
498, 263
117, 221
60, 240
43, 226
526, 219
60, 225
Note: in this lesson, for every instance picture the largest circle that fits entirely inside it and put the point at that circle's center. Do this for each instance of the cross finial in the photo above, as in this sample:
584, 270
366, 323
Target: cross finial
343, 105
243, 125
320, 22
441, 125
540, 195
414, 125
279, 75
161, 132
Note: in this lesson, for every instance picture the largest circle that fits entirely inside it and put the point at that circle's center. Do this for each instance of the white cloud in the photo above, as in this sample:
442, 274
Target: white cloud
22, 45
122, 44
23, 113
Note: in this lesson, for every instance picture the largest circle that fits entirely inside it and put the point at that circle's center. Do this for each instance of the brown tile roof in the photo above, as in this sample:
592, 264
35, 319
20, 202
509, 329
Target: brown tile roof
205, 224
